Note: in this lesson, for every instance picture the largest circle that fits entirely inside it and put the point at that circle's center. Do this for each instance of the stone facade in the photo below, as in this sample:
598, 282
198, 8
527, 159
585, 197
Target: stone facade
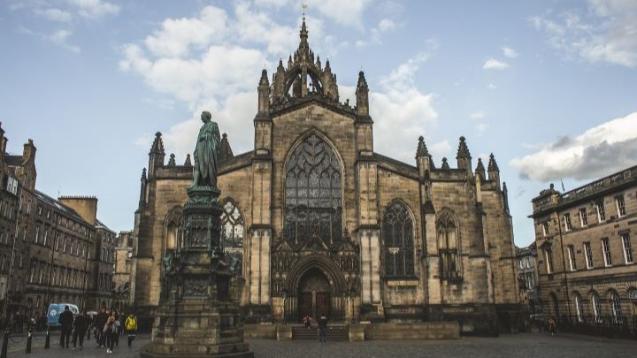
324, 224
586, 257
55, 251
123, 268
527, 278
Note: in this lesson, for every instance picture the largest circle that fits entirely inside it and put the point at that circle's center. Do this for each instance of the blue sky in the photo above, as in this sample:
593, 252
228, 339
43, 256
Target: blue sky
550, 87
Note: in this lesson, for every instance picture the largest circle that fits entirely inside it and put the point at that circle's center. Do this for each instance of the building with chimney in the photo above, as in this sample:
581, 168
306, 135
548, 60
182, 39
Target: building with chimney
586, 243
57, 249
324, 224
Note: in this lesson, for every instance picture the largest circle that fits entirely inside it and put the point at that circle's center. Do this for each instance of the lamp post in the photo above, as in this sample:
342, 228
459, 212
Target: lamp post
47, 337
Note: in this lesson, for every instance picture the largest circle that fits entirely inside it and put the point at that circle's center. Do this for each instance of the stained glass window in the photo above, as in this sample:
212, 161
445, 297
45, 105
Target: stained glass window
232, 233
313, 193
448, 248
232, 224
398, 240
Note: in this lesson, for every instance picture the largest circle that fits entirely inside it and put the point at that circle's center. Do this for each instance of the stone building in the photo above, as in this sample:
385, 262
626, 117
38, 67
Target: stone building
324, 224
54, 256
123, 269
586, 261
527, 277
9, 194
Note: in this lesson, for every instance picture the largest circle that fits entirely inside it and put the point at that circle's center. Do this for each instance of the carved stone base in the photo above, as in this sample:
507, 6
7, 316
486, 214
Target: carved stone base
197, 328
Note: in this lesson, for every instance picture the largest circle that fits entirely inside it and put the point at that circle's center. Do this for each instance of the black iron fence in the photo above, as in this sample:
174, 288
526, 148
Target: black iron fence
608, 326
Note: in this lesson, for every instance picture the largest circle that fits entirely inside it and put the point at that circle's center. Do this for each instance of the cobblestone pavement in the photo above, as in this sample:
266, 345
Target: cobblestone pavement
509, 346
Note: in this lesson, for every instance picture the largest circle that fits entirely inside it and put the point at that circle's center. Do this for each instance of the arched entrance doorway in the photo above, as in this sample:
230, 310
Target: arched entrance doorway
314, 294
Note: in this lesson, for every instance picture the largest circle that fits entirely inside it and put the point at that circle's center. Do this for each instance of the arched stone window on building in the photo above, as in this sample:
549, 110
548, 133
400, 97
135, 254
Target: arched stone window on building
313, 205
596, 307
398, 241
173, 230
579, 309
555, 306
232, 234
449, 248
615, 307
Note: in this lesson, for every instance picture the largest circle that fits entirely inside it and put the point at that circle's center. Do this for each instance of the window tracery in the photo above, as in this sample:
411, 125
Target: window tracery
313, 203
232, 234
449, 249
398, 240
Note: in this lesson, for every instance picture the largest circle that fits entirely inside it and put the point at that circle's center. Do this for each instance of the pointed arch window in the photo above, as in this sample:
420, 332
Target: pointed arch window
232, 234
398, 241
449, 248
313, 203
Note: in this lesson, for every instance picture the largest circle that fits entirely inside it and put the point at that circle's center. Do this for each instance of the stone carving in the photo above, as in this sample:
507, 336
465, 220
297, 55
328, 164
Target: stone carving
196, 288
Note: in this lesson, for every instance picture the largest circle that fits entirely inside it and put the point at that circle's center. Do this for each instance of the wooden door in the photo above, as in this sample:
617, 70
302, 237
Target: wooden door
322, 304
305, 305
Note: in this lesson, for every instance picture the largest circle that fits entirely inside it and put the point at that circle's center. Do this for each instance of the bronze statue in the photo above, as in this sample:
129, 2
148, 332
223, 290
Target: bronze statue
206, 159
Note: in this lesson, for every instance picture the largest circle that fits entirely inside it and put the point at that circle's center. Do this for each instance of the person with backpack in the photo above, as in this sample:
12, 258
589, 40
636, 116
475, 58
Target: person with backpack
131, 328
109, 331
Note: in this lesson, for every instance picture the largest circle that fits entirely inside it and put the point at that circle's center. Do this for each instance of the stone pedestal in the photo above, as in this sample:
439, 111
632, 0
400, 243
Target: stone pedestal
197, 316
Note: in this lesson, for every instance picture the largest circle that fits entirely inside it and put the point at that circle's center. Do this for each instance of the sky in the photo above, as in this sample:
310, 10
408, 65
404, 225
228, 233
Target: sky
549, 87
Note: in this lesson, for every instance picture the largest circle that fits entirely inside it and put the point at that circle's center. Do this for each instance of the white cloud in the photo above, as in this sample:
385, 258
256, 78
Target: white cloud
220, 70
477, 115
374, 36
402, 111
177, 36
493, 64
605, 33
440, 149
60, 38
509, 52
491, 86
54, 14
94, 8
608, 147
343, 12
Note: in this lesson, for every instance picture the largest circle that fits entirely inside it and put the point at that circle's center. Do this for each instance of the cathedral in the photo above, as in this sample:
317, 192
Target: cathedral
320, 223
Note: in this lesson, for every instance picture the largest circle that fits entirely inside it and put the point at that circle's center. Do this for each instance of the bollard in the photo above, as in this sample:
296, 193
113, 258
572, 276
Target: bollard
29, 337
5, 344
47, 340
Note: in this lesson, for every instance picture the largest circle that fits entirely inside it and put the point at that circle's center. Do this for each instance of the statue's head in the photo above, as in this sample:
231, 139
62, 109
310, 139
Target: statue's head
206, 116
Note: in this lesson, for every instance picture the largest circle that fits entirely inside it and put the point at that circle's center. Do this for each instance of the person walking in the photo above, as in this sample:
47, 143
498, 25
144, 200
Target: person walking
99, 322
117, 327
552, 326
80, 326
131, 328
322, 328
109, 332
66, 321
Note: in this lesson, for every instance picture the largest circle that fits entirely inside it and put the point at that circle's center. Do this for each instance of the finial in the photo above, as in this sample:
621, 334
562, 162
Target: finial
422, 148
463, 150
171, 161
480, 169
493, 166
188, 163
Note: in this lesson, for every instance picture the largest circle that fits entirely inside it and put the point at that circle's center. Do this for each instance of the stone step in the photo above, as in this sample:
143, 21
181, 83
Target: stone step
335, 333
